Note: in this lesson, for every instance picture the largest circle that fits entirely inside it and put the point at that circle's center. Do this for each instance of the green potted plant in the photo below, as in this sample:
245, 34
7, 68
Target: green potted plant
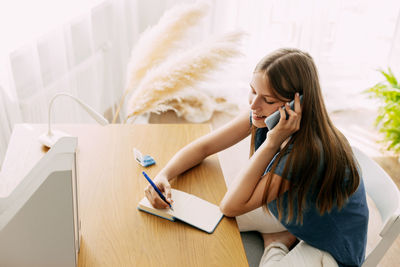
388, 119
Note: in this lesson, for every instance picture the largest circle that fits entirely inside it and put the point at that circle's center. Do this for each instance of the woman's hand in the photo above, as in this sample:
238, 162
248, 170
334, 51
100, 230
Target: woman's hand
163, 184
286, 126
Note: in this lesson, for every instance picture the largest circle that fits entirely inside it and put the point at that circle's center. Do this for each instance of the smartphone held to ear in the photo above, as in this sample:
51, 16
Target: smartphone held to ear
272, 120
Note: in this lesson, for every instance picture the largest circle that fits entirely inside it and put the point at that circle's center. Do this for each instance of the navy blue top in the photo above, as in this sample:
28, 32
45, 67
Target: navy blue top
342, 233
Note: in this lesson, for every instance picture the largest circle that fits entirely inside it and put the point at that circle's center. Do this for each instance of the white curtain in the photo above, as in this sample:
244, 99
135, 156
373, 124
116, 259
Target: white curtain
84, 56
87, 55
348, 39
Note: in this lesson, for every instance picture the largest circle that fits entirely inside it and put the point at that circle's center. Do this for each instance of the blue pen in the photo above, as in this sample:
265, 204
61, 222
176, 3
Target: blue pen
156, 188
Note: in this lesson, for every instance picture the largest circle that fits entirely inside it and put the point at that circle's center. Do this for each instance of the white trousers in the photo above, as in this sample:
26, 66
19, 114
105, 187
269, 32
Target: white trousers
260, 221
302, 255
277, 254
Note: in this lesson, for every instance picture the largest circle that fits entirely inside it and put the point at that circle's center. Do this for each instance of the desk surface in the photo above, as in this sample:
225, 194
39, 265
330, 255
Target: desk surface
114, 232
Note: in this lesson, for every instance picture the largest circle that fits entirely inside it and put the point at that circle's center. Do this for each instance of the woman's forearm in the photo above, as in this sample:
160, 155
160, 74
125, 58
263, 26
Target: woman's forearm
242, 188
186, 158
194, 153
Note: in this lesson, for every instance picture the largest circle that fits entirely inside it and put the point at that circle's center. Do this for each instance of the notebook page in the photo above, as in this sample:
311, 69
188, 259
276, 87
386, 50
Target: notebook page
195, 211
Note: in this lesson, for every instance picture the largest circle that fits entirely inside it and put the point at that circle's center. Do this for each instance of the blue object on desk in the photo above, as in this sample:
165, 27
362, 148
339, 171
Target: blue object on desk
157, 190
147, 161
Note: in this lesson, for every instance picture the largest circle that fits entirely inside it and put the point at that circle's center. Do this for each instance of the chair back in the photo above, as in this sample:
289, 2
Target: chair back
384, 192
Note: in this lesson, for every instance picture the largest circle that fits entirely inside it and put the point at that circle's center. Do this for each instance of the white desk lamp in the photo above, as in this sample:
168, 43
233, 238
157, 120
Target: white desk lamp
51, 137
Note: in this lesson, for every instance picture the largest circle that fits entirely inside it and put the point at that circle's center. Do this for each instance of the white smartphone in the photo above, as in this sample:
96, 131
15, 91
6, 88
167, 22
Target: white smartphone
272, 120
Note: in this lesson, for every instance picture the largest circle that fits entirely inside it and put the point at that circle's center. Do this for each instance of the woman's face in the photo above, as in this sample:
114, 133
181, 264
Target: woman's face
262, 99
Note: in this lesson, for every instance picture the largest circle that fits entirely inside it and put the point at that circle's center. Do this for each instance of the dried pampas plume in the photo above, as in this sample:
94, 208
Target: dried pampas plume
182, 71
155, 43
197, 106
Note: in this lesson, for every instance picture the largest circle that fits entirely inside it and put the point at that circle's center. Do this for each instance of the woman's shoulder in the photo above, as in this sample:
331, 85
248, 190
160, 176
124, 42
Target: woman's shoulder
227, 135
242, 119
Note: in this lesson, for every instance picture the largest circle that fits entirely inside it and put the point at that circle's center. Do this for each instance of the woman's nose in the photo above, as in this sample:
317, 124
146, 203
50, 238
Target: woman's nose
254, 103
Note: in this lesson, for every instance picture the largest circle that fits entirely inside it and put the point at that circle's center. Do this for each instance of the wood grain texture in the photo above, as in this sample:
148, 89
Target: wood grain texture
111, 186
114, 232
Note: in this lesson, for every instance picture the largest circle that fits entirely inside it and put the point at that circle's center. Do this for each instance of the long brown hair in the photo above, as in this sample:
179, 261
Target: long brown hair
318, 141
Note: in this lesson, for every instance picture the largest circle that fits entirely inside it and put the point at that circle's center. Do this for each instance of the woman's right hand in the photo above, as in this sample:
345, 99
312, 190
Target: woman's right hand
163, 184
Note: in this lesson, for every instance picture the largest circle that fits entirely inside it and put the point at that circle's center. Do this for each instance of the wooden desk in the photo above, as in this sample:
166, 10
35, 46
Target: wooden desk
114, 232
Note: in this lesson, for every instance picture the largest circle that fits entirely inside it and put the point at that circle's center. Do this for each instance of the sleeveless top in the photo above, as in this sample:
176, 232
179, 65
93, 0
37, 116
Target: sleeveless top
342, 233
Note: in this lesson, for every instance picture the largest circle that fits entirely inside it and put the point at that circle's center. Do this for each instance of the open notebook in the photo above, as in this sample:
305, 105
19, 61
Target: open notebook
189, 209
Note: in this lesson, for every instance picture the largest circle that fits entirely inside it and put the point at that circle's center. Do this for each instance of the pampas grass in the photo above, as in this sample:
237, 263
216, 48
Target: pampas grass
198, 106
182, 71
155, 43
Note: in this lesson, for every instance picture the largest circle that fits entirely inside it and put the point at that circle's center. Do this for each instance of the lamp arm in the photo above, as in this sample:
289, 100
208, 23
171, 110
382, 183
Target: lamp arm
95, 115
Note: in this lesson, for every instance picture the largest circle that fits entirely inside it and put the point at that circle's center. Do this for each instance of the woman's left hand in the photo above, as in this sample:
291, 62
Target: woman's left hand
286, 126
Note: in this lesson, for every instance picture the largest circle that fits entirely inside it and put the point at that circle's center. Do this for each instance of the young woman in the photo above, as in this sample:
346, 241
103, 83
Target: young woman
302, 173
